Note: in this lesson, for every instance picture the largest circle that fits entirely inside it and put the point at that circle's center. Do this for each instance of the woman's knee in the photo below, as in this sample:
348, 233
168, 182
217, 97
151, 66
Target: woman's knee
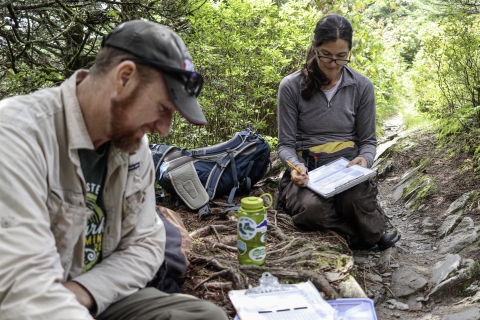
363, 192
314, 214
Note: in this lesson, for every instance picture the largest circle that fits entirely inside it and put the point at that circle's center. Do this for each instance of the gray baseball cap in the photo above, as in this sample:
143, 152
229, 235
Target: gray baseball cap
160, 47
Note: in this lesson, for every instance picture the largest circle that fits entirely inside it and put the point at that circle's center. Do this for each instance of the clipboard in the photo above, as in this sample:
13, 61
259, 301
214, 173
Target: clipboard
335, 177
303, 302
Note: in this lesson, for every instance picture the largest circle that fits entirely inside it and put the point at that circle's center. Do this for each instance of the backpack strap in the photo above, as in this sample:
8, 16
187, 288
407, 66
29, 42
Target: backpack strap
217, 171
159, 152
246, 179
164, 150
235, 179
188, 186
204, 212
220, 148
234, 208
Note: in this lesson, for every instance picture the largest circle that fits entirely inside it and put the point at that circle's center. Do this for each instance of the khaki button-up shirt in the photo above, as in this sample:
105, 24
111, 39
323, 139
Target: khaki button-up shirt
43, 212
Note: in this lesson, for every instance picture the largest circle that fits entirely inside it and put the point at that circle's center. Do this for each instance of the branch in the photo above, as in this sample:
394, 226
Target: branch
76, 18
12, 57
79, 50
29, 7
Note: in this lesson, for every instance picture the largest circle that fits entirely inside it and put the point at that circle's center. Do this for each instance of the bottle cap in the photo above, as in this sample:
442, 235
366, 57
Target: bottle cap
252, 203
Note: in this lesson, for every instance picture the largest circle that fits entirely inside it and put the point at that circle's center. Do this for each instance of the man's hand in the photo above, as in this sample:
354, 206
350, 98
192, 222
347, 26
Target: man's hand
361, 161
82, 294
300, 179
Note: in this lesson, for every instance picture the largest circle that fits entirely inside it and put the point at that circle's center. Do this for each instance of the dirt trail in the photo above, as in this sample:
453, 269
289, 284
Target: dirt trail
421, 256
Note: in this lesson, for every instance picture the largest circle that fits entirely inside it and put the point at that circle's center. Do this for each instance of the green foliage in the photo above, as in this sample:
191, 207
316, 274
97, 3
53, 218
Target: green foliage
401, 23
245, 47
449, 127
417, 120
272, 142
43, 42
242, 47
450, 50
379, 54
453, 7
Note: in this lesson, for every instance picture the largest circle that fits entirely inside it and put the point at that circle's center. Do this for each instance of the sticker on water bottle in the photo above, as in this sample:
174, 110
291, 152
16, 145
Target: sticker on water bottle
258, 254
263, 238
242, 247
247, 228
262, 227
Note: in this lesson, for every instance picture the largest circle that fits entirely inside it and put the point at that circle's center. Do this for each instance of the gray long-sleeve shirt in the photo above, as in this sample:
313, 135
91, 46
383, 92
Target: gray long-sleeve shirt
349, 116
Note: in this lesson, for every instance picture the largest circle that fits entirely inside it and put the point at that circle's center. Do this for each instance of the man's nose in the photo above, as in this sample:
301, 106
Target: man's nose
162, 125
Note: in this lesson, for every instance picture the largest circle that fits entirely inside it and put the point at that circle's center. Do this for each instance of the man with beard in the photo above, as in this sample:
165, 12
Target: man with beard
79, 235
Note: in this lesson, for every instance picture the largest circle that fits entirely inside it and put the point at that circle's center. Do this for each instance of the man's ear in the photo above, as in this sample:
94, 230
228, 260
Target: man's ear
125, 78
313, 45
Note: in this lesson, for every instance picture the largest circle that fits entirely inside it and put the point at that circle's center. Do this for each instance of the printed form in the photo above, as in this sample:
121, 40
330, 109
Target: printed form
335, 177
302, 303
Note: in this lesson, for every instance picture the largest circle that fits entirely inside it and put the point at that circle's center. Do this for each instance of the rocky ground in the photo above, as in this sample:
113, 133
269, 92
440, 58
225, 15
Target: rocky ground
430, 194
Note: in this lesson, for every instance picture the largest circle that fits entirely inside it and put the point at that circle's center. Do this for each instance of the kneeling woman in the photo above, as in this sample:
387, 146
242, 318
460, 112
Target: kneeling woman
326, 110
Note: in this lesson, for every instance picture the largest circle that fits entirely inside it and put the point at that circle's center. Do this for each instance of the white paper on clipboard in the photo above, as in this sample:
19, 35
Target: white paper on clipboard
304, 303
335, 177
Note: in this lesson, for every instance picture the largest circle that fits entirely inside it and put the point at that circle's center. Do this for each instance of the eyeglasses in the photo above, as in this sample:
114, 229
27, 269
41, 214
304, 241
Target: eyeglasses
339, 62
192, 80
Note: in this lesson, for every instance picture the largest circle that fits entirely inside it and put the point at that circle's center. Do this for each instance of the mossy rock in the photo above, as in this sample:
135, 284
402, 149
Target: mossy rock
339, 262
418, 191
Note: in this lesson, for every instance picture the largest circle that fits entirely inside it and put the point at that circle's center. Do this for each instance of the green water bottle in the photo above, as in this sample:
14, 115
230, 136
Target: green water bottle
252, 230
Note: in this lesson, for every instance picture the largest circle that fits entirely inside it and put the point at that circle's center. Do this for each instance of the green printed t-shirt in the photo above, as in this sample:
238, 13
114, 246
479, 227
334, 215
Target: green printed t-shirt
94, 165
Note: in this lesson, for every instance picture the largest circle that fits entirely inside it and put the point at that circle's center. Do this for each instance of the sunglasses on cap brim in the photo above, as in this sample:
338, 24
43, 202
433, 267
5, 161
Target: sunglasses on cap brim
192, 80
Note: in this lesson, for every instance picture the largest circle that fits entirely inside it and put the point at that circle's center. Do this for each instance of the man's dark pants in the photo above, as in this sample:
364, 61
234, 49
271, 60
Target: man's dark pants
153, 304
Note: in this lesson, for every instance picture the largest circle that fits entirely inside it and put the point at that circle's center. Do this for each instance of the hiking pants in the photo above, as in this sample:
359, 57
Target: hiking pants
353, 213
153, 304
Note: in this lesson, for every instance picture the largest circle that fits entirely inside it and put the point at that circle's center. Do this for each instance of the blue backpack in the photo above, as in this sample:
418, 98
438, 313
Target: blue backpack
197, 176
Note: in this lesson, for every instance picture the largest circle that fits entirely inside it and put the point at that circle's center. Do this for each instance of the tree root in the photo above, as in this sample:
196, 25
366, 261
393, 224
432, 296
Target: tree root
312, 263
219, 285
224, 266
294, 257
220, 245
277, 233
317, 279
284, 248
213, 276
232, 271
205, 231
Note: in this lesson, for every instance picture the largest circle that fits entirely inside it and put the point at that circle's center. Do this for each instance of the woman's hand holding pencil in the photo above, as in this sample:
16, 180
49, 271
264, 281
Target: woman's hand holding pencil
298, 175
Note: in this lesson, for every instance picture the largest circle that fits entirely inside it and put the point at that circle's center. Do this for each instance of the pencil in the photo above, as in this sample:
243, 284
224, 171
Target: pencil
291, 165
